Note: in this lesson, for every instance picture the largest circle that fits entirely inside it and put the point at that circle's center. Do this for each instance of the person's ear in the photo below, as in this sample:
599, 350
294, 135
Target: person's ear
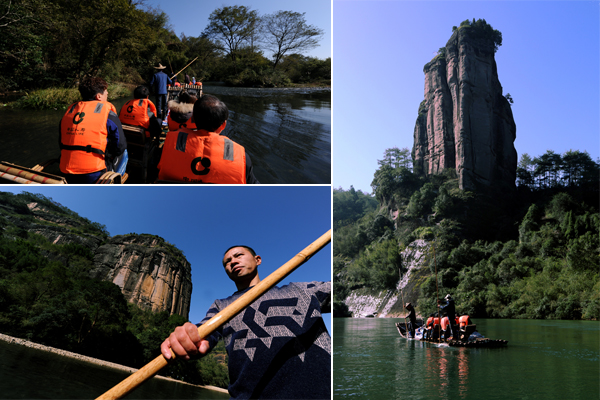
221, 128
98, 96
258, 260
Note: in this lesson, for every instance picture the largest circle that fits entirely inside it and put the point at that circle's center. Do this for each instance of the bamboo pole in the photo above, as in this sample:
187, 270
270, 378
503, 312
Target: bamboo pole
183, 68
26, 175
437, 295
150, 369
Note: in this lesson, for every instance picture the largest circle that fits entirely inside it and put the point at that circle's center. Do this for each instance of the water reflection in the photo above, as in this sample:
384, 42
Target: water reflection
371, 361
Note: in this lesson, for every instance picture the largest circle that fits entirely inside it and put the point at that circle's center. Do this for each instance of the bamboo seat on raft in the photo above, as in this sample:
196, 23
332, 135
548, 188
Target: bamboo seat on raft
18, 174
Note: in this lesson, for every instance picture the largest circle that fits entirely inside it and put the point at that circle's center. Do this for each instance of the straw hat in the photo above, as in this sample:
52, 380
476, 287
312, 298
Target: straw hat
160, 66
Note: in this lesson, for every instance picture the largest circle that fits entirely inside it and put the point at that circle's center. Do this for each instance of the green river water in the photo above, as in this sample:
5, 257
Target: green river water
543, 360
27, 373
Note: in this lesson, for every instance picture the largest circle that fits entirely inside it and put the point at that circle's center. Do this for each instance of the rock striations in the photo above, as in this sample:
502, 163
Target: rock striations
465, 122
149, 272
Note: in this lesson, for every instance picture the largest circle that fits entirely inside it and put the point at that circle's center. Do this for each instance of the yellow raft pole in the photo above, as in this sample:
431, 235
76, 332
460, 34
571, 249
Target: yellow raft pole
150, 369
26, 175
174, 75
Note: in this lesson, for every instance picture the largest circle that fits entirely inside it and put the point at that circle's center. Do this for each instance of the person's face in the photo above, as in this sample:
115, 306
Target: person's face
240, 264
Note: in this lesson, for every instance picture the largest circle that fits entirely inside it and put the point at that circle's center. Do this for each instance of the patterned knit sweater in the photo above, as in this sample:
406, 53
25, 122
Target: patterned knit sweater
278, 347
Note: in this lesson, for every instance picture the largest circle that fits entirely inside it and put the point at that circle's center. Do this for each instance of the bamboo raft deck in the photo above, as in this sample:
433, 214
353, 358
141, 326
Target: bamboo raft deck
12, 173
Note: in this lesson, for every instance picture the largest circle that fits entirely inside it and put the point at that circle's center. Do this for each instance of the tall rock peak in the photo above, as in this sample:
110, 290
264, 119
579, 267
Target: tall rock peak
465, 122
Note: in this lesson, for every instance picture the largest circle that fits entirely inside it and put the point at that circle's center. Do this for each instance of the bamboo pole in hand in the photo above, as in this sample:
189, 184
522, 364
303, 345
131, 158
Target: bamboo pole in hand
150, 369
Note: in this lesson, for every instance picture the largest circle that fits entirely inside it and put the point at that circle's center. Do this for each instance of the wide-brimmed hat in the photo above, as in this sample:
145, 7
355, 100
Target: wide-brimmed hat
160, 66
408, 305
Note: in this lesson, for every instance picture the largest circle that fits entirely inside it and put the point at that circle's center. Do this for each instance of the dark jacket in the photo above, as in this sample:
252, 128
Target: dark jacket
159, 83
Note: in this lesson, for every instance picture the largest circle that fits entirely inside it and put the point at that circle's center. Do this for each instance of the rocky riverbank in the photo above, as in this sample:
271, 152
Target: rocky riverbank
64, 353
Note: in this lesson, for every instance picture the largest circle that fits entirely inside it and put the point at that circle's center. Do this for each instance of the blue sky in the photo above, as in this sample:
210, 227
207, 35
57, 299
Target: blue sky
191, 16
548, 62
203, 221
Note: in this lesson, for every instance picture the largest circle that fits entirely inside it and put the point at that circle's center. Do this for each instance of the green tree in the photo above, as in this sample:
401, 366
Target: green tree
287, 32
232, 27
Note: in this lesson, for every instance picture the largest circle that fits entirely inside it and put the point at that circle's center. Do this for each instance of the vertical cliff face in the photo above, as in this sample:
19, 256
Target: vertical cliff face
149, 272
465, 122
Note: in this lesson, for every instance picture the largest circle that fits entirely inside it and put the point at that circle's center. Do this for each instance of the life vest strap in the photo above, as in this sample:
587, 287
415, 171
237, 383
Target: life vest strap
87, 149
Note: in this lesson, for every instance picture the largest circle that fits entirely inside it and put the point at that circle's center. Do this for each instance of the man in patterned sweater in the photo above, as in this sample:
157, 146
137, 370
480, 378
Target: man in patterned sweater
278, 347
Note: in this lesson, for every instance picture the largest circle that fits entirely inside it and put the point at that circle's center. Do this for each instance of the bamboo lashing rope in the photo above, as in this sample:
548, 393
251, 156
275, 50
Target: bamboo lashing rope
150, 369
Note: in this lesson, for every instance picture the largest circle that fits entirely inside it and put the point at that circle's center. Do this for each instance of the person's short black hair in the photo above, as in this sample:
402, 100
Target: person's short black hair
210, 113
90, 86
141, 92
250, 249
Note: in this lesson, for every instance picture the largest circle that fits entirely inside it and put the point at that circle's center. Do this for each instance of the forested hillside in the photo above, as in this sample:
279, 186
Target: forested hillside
48, 297
531, 253
55, 43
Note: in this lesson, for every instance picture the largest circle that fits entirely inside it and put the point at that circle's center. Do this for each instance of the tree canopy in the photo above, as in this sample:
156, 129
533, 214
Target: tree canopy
55, 43
532, 253
287, 32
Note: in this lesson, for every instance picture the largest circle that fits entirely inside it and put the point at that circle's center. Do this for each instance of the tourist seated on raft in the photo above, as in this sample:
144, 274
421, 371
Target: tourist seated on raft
446, 329
432, 327
181, 112
91, 137
141, 111
463, 322
204, 155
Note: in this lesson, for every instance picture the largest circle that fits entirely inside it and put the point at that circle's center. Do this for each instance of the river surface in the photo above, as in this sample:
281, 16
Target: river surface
286, 132
27, 373
543, 360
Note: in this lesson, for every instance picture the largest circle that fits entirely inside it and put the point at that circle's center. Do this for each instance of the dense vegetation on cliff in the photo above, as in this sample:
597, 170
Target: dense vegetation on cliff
533, 253
55, 43
47, 296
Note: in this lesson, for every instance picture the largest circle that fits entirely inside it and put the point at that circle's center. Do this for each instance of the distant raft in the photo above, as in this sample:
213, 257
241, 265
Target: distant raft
475, 339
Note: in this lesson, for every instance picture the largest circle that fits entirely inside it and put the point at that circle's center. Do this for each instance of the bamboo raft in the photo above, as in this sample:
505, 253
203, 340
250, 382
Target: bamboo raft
173, 91
479, 342
473, 343
12, 173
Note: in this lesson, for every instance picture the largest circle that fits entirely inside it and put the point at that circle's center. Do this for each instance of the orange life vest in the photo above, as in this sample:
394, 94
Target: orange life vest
174, 125
202, 157
429, 323
436, 321
445, 323
137, 112
464, 321
177, 84
83, 137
